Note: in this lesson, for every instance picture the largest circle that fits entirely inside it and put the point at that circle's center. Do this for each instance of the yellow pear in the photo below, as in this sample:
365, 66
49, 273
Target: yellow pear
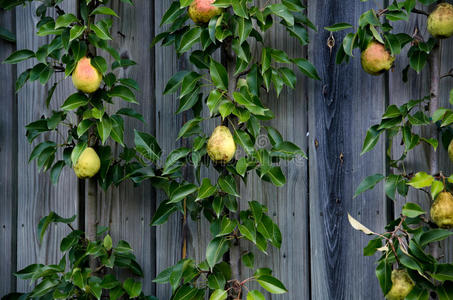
402, 285
442, 210
85, 77
88, 164
221, 146
376, 59
202, 11
440, 21
450, 150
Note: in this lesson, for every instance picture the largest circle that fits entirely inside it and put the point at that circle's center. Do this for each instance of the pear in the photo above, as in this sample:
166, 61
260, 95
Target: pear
88, 164
402, 285
442, 210
221, 146
85, 77
376, 59
202, 11
440, 21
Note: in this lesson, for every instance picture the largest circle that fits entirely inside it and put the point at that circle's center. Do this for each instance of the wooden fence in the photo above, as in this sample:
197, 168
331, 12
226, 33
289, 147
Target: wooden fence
321, 255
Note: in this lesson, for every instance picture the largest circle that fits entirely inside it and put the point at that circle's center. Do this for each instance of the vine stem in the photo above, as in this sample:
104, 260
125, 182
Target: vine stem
435, 64
235, 250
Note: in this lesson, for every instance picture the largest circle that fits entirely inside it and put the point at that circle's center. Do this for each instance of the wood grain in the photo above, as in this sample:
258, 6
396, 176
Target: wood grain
342, 106
36, 195
8, 160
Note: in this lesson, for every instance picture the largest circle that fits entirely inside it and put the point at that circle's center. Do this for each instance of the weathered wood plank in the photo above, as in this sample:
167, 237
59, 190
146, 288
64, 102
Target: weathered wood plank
8, 161
169, 237
288, 205
36, 195
341, 107
445, 164
128, 210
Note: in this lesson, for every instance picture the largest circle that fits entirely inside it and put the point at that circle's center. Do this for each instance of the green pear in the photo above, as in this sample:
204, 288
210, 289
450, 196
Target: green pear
221, 146
376, 59
202, 11
440, 21
402, 285
442, 210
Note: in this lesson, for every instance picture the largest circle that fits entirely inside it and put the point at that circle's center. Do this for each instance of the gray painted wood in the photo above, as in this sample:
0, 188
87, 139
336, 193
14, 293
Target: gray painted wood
36, 195
128, 210
288, 205
169, 237
8, 159
321, 255
341, 107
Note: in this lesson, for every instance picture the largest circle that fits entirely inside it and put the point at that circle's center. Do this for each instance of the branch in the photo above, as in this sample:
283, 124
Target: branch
420, 12
449, 74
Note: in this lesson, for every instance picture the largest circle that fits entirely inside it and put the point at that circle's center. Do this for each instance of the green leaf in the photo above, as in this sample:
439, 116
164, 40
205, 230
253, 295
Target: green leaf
383, 273
216, 281
77, 151
76, 31
307, 68
219, 295
338, 27
228, 185
7, 35
206, 189
191, 127
271, 284
421, 180
219, 75
75, 101
418, 60
65, 20
248, 260
172, 163
213, 101
163, 212
108, 244
255, 295
101, 31
130, 113
51, 218
371, 139
182, 192
123, 92
283, 12
434, 235
189, 39
368, 183
99, 63
412, 210
215, 250
175, 82
147, 145
104, 128
56, 171
436, 188
103, 10
133, 288
19, 56
443, 272
276, 176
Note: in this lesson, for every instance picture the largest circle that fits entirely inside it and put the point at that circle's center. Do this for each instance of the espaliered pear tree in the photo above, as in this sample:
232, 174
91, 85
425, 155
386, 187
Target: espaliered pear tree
411, 265
236, 85
85, 128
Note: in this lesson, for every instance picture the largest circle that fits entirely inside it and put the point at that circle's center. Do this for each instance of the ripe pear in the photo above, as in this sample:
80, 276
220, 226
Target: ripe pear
202, 11
442, 210
376, 59
221, 146
88, 164
402, 285
440, 21
85, 77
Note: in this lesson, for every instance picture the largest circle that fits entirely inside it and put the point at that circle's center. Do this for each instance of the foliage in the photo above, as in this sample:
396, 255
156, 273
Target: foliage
72, 277
81, 121
408, 240
236, 89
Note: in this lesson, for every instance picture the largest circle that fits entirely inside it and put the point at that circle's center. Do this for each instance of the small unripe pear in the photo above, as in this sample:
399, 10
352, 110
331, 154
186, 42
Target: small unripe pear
85, 77
442, 210
440, 21
202, 11
402, 285
88, 164
221, 146
376, 59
